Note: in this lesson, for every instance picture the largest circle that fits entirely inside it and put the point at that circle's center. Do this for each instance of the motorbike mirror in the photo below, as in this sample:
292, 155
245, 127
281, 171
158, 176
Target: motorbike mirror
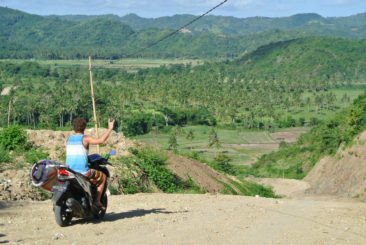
112, 153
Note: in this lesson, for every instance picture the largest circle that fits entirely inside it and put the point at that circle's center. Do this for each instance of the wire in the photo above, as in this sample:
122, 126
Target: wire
176, 31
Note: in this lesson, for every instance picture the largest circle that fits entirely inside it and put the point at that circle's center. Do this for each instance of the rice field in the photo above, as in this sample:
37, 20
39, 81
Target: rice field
243, 146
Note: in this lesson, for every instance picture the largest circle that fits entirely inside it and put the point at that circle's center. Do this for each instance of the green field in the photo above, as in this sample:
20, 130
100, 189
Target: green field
322, 113
130, 65
243, 146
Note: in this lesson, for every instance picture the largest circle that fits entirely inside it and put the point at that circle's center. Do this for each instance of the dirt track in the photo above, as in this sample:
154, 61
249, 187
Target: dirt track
192, 219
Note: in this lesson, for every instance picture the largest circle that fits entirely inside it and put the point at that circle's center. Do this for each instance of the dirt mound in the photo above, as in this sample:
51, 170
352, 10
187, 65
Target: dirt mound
54, 142
15, 185
342, 175
201, 174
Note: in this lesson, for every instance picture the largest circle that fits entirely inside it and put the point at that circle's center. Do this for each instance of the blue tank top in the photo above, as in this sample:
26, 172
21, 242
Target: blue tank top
76, 154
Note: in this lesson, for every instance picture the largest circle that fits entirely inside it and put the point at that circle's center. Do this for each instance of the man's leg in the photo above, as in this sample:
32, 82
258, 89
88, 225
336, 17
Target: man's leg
100, 190
97, 178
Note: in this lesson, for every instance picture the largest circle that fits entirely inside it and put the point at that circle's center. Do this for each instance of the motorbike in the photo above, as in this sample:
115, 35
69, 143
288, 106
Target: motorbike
74, 195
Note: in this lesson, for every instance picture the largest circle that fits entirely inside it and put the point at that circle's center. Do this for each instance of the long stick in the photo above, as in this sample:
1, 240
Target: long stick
92, 95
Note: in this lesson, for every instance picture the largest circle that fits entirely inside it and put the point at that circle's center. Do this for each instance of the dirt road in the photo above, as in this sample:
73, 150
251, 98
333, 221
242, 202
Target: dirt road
192, 219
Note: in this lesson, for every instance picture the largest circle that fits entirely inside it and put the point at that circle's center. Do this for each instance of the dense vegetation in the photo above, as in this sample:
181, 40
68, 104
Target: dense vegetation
14, 144
30, 36
352, 26
262, 90
294, 161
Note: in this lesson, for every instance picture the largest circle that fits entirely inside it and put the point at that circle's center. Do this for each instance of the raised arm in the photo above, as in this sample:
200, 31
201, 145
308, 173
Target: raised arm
96, 141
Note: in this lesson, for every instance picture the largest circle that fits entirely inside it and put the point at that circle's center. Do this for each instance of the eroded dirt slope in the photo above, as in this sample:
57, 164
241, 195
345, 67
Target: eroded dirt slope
342, 175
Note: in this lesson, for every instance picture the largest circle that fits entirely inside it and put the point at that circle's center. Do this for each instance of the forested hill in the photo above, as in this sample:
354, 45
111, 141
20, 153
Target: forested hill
351, 27
24, 35
314, 60
30, 36
262, 90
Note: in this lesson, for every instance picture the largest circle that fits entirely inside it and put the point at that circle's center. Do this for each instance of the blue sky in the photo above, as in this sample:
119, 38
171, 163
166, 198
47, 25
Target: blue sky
158, 8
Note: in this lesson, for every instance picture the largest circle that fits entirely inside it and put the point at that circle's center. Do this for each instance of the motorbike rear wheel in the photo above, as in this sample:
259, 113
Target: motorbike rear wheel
100, 213
62, 217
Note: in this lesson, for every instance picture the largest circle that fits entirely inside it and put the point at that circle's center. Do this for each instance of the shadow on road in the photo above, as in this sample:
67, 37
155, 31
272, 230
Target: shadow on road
110, 217
3, 242
134, 213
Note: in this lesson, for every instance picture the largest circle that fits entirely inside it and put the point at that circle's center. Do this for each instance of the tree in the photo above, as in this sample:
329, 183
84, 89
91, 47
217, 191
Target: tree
190, 136
173, 142
308, 103
213, 140
223, 162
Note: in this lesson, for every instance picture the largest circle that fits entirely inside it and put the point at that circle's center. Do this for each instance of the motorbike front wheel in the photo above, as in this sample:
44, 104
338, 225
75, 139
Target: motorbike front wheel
62, 217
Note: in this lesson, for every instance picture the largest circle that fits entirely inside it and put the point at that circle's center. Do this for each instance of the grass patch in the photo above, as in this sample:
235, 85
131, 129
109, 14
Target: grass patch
252, 189
152, 162
227, 188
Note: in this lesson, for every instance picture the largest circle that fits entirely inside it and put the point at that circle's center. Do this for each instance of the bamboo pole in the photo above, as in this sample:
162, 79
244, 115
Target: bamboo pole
93, 101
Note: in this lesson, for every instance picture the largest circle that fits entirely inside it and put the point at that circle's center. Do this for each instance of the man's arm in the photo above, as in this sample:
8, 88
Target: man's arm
96, 141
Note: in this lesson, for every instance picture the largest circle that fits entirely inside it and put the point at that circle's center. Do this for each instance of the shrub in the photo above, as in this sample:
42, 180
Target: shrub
131, 179
113, 190
13, 138
4, 155
152, 163
222, 163
34, 155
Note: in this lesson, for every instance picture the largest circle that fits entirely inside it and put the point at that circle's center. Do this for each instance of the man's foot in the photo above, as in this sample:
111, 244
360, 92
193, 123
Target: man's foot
100, 206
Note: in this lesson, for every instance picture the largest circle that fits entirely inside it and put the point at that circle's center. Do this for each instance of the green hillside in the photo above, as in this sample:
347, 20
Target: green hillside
315, 61
311, 23
27, 36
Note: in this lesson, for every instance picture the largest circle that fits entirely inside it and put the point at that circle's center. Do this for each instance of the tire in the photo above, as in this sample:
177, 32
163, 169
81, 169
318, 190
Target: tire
62, 217
100, 214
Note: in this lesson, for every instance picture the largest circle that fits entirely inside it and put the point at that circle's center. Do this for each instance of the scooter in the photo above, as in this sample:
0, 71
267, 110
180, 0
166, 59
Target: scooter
74, 195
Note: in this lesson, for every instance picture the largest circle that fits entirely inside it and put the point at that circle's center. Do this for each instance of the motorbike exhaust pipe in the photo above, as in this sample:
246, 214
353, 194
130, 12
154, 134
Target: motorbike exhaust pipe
76, 208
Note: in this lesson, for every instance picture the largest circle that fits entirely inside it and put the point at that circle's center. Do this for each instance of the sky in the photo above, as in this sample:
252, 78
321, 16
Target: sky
158, 8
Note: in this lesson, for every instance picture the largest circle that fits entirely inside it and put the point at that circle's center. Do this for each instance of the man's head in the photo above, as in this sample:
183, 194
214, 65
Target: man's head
79, 125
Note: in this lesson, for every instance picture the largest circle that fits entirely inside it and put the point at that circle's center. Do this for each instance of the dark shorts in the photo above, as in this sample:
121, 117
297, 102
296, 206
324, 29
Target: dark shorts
94, 176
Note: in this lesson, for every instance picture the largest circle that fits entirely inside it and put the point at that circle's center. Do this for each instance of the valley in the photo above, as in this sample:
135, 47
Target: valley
230, 131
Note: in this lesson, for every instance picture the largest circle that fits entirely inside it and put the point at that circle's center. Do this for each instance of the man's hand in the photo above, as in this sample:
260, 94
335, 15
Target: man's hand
110, 124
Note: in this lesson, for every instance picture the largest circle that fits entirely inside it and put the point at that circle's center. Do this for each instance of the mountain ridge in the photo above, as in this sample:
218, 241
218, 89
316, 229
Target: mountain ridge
32, 36
227, 25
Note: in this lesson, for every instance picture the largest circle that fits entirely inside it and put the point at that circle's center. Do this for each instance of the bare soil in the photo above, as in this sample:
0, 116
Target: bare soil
344, 174
192, 219
200, 173
288, 137
289, 188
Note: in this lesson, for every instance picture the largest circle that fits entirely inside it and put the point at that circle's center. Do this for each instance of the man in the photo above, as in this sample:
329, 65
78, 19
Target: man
77, 147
